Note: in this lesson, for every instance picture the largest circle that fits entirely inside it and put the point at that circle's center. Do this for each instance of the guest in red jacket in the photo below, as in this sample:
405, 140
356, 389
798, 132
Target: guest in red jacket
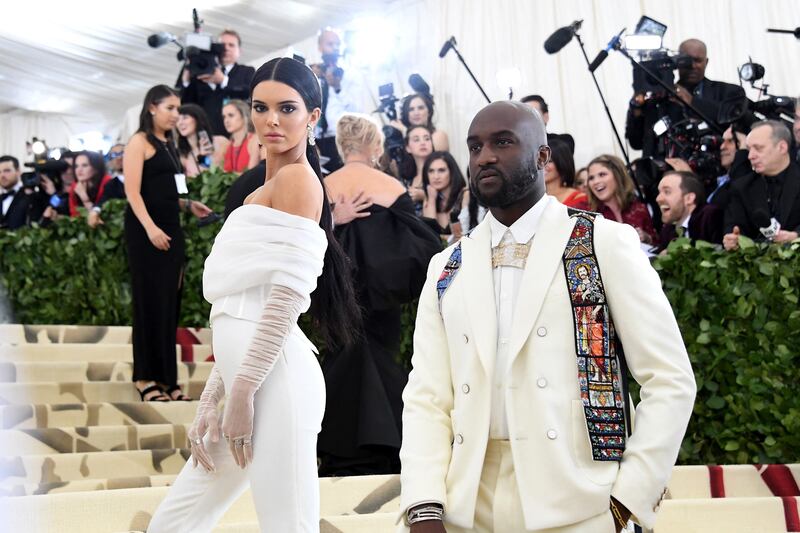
90, 181
612, 194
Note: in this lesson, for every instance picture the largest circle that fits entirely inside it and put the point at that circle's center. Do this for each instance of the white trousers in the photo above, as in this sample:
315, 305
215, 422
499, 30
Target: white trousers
283, 475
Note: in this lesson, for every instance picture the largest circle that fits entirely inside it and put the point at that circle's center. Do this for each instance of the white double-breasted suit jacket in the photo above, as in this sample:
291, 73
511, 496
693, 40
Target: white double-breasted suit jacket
447, 401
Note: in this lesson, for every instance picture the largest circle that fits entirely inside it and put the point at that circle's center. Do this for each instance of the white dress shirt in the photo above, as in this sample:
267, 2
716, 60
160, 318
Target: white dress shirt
339, 103
506, 282
7, 201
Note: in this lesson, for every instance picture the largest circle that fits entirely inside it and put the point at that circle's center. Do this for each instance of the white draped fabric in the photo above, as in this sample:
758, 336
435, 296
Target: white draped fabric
491, 34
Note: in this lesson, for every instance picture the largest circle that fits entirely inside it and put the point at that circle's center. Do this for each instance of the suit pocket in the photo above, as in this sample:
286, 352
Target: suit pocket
599, 472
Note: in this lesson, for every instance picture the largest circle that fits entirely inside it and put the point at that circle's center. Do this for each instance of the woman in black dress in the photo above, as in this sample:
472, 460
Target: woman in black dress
156, 248
390, 248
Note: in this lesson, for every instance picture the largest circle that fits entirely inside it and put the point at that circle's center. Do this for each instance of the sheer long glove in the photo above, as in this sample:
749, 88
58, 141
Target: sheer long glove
280, 315
206, 420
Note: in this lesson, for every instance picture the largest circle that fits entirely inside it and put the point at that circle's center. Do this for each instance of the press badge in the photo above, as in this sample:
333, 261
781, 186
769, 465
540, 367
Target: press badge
180, 183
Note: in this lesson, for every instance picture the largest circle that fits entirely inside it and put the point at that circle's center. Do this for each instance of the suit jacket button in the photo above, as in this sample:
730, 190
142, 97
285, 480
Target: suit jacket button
465, 388
552, 434
466, 339
541, 383
541, 331
459, 438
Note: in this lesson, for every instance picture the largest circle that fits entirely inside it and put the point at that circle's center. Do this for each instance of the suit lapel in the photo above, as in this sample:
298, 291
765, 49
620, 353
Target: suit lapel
478, 286
544, 260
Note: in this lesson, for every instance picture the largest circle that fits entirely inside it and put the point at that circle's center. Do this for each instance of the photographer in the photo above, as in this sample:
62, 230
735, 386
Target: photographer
765, 199
15, 201
692, 87
339, 96
228, 81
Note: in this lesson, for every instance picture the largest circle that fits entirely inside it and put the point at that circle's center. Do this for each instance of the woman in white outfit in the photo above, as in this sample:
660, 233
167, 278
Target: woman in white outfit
259, 278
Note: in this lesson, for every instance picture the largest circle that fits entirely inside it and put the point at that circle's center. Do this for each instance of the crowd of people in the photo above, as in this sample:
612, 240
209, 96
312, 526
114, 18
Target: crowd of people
405, 207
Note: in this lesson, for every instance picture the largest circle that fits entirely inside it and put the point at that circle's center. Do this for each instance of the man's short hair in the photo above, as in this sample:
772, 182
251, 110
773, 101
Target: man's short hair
536, 98
7, 158
780, 132
232, 33
690, 183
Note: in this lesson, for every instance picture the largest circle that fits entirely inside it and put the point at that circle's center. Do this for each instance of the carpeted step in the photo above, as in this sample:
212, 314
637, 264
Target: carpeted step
82, 371
84, 485
734, 481
91, 439
83, 392
105, 353
131, 509
374, 523
724, 515
47, 334
95, 414
62, 467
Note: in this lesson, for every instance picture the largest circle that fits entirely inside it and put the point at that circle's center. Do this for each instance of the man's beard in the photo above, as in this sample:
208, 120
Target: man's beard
515, 187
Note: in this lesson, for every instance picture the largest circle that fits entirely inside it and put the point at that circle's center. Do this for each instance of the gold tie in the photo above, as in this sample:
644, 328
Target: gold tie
509, 252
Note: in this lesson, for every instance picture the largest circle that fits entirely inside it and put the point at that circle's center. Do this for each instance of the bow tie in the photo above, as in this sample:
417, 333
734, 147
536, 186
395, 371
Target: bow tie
510, 253
5, 195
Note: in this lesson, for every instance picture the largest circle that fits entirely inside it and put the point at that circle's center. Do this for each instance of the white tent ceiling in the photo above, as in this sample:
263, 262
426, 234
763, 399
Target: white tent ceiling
89, 59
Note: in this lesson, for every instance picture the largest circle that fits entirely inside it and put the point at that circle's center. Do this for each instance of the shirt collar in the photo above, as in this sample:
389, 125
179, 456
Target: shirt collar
13, 189
524, 228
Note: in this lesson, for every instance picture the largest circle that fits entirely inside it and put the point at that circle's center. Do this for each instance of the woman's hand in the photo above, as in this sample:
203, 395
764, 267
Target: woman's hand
206, 421
347, 210
199, 209
644, 236
94, 219
82, 192
237, 422
417, 194
158, 238
429, 202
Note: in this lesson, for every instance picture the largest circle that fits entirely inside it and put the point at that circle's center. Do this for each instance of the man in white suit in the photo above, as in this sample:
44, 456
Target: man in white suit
504, 428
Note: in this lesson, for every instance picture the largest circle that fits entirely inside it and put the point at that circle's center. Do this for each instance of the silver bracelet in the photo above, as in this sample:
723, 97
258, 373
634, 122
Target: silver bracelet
422, 514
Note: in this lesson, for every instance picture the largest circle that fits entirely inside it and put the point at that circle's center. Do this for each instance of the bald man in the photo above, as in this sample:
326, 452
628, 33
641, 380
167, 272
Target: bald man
692, 87
514, 415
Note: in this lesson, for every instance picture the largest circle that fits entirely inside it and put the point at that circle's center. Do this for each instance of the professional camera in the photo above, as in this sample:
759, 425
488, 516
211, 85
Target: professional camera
199, 50
663, 65
393, 143
743, 112
388, 101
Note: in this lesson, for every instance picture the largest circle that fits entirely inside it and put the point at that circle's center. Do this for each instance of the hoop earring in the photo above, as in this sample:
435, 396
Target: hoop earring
311, 139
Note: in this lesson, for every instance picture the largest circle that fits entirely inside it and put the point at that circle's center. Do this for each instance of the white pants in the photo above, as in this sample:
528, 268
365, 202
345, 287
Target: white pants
283, 475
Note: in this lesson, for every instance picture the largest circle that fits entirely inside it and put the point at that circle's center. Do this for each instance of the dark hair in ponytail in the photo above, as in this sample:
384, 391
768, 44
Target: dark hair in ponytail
333, 304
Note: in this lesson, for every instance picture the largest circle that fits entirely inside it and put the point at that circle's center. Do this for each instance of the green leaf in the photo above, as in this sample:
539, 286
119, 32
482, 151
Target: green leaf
715, 402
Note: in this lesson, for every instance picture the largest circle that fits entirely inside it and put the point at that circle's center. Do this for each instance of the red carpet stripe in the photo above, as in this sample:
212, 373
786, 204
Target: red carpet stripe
717, 481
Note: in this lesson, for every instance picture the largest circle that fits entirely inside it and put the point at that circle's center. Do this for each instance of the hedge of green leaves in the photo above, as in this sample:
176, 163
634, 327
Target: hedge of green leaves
740, 319
738, 313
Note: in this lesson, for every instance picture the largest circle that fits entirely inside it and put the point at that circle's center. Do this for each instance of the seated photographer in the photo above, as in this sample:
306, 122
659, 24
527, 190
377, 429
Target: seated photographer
443, 183
197, 149
692, 87
418, 147
765, 198
732, 141
90, 181
559, 176
242, 152
681, 199
537, 102
417, 110
228, 81
15, 201
612, 194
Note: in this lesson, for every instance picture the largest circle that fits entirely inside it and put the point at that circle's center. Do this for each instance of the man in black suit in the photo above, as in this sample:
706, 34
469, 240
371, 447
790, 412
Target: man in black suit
15, 202
228, 82
765, 198
681, 199
692, 87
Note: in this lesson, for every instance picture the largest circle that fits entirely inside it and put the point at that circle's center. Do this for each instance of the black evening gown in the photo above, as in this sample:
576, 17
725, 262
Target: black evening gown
156, 274
362, 431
